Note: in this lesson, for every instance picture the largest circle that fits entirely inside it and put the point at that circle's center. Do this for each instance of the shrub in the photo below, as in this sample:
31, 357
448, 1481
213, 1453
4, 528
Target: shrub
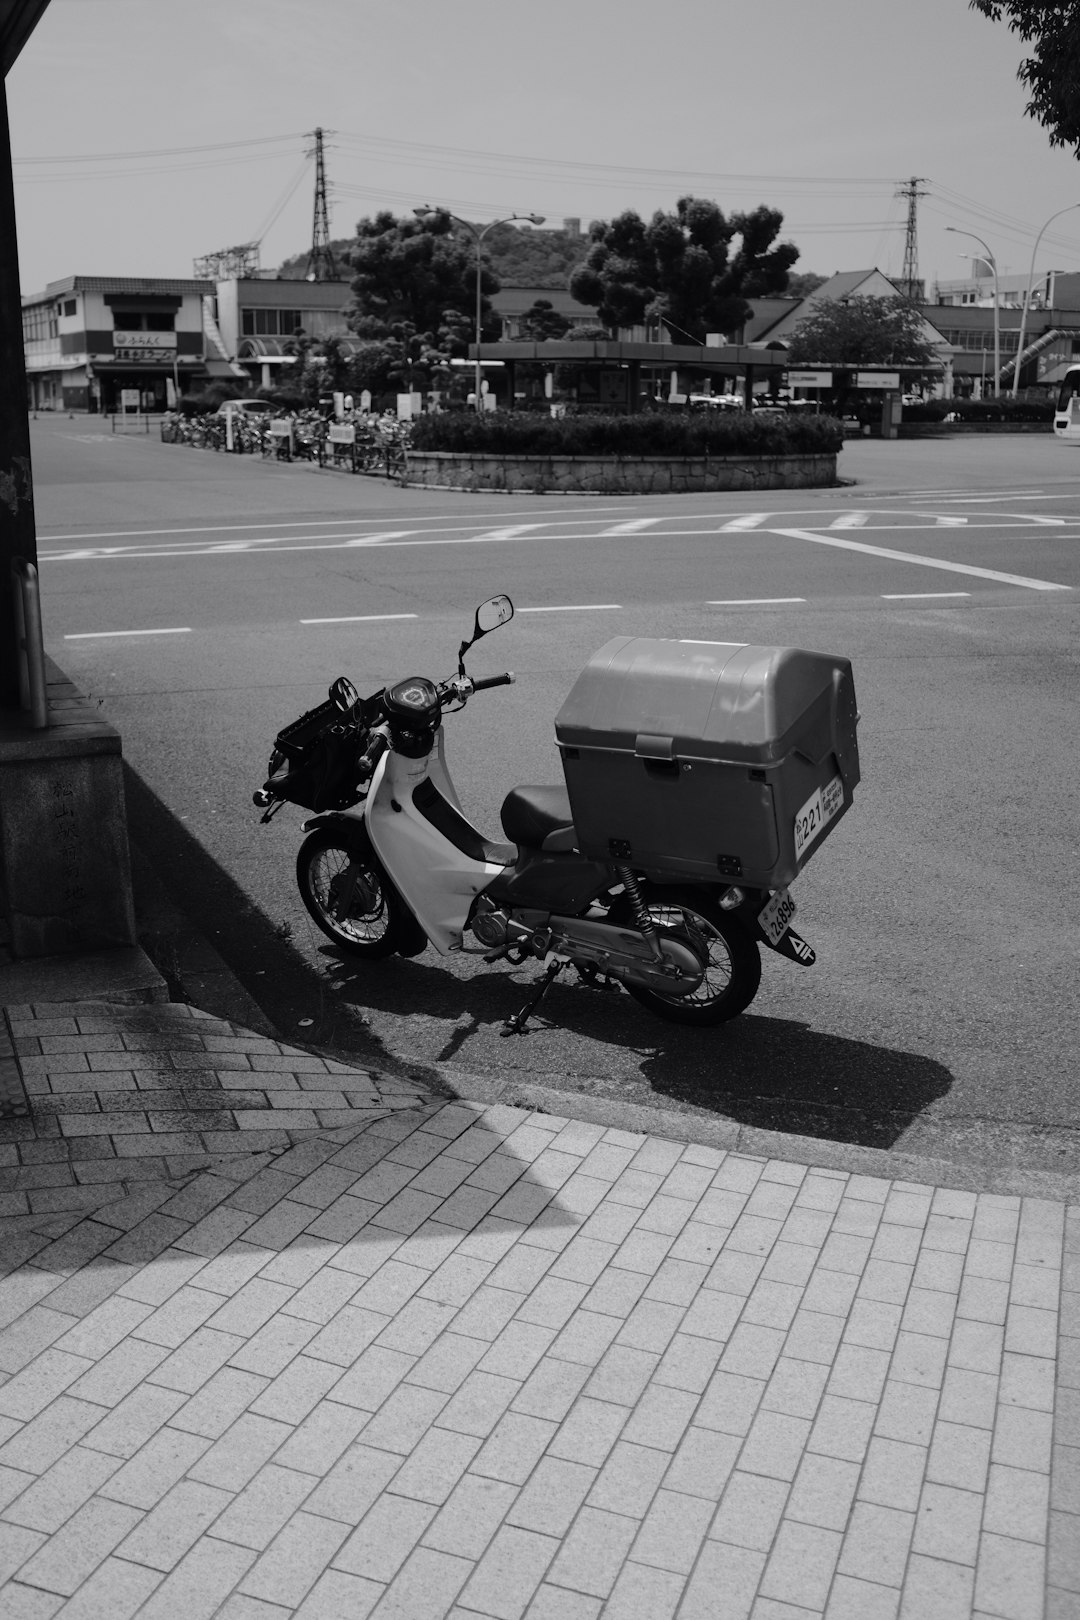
650, 433
980, 410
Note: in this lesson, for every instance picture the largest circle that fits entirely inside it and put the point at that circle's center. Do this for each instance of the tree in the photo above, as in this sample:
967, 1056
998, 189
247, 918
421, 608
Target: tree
1052, 73
861, 332
802, 286
680, 268
416, 272
542, 321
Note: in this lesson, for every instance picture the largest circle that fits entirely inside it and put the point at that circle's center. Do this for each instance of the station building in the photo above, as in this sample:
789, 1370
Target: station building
96, 343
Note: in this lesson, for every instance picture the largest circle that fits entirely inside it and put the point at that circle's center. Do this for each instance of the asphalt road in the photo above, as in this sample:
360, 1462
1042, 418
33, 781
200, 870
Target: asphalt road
196, 596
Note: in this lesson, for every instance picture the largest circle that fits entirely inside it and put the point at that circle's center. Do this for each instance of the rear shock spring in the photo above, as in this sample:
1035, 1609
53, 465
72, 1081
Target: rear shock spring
642, 917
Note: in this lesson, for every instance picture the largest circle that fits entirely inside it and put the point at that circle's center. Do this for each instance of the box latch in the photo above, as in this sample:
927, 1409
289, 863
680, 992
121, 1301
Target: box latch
657, 754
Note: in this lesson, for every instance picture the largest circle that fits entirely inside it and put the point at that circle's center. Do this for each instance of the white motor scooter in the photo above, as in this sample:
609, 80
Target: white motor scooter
391, 864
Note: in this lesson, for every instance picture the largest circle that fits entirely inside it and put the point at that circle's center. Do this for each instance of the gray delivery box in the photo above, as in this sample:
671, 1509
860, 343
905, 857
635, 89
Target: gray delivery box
709, 759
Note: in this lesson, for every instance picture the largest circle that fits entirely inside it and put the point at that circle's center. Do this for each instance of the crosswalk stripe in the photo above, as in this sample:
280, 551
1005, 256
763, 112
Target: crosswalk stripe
748, 520
924, 562
634, 526
849, 520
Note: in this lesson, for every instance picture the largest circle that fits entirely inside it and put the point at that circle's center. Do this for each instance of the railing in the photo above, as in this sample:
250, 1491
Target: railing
29, 643
130, 422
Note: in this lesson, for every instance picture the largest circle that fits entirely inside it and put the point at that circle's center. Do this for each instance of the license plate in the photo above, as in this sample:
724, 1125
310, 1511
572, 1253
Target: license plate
823, 804
775, 917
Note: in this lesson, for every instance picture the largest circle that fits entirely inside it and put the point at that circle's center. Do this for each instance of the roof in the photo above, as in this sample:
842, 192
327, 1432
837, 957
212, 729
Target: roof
845, 284
725, 357
119, 284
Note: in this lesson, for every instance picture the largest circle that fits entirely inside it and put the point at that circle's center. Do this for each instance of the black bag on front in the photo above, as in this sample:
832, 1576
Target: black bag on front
314, 761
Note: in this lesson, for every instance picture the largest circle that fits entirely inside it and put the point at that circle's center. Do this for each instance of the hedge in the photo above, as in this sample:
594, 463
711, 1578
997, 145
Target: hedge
980, 410
646, 434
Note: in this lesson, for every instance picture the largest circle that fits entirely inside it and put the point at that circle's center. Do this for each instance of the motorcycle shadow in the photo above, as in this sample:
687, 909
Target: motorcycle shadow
768, 1072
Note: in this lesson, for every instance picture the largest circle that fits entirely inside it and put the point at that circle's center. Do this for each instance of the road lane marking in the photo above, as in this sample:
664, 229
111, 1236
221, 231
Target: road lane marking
289, 523
634, 526
574, 607
361, 618
924, 562
748, 520
918, 596
755, 601
849, 520
97, 635
950, 522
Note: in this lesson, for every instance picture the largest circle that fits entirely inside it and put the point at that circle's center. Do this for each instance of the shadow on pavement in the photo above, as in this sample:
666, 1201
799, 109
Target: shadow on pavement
773, 1073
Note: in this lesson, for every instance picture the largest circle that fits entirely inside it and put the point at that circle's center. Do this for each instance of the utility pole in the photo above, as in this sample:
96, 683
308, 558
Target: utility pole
320, 264
909, 281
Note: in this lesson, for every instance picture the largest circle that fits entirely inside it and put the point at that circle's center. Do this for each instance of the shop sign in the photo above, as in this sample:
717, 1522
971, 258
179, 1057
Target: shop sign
877, 379
809, 379
144, 340
342, 433
145, 356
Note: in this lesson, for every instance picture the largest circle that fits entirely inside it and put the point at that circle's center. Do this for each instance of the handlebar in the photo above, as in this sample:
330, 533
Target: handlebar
484, 681
376, 748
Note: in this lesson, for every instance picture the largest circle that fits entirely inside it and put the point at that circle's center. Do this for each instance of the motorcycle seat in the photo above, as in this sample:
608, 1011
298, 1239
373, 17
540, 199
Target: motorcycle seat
539, 817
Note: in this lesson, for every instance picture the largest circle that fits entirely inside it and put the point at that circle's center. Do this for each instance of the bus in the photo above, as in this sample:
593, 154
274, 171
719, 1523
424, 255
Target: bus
1067, 410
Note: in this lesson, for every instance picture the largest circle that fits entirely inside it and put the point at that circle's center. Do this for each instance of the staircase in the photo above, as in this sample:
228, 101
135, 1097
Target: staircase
215, 343
1029, 353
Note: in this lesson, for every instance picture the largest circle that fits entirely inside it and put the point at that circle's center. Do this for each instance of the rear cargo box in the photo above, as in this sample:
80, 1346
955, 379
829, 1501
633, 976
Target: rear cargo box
709, 760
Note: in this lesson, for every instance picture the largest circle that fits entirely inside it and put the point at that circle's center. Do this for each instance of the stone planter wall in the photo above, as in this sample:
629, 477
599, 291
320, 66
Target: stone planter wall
616, 475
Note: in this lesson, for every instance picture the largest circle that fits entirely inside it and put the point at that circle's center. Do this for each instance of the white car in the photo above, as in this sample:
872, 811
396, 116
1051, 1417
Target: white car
245, 407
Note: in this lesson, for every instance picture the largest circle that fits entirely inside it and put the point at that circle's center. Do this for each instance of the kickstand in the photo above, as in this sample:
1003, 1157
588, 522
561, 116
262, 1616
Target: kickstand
515, 1025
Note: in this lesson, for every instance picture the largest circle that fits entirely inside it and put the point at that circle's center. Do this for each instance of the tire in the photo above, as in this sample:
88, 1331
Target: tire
369, 921
734, 973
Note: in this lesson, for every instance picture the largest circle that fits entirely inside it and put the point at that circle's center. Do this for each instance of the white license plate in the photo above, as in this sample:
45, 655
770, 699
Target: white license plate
775, 917
819, 809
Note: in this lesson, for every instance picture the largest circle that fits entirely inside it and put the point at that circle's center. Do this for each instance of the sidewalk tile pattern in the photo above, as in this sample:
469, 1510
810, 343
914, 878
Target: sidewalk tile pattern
466, 1363
115, 1094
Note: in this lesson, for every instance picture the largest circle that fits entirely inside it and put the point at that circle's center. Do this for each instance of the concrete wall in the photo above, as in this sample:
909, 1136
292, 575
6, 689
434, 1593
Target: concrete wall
65, 876
649, 475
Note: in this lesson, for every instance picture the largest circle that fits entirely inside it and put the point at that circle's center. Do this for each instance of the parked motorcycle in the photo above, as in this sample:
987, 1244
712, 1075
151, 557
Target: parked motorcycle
616, 872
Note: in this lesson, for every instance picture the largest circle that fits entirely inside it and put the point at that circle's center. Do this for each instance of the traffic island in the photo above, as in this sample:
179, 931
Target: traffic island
616, 475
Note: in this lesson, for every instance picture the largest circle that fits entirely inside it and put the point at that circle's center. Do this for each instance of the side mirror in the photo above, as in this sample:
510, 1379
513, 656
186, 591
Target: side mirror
489, 616
343, 694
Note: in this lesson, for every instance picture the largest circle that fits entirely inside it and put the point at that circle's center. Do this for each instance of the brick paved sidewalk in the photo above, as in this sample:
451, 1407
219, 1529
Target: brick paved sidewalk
96, 1096
462, 1362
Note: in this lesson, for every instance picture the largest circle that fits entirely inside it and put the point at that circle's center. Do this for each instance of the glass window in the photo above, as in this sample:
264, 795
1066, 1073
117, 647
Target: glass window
291, 321
160, 323
247, 322
127, 320
69, 306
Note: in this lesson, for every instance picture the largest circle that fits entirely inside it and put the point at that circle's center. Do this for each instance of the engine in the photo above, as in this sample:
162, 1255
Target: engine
493, 926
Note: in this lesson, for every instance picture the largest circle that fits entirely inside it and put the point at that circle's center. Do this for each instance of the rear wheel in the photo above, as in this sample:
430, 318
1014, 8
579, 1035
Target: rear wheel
732, 960
346, 891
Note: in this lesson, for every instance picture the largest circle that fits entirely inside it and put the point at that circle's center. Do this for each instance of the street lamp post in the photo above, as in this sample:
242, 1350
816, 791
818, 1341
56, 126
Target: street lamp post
428, 212
988, 258
1030, 291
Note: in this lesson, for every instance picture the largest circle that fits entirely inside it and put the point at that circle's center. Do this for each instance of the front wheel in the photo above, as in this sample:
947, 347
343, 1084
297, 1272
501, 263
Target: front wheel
731, 957
347, 893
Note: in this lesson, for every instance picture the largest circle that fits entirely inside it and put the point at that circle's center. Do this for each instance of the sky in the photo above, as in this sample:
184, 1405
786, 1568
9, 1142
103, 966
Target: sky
147, 133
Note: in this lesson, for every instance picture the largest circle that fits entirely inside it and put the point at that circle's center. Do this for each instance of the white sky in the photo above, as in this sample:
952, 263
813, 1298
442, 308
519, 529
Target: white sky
560, 107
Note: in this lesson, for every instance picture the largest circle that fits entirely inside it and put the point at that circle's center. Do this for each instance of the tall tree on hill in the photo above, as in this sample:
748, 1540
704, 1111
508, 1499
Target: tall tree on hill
1052, 73
681, 268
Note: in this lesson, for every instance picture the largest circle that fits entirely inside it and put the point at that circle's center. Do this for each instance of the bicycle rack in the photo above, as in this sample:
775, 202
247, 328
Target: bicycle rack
29, 643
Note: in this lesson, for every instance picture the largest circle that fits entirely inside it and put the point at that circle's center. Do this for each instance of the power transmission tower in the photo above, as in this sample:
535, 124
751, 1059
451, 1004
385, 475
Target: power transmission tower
910, 284
320, 263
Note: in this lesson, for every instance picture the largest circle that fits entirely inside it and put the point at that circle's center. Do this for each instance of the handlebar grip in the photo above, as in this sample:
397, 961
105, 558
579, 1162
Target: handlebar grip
365, 765
493, 680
